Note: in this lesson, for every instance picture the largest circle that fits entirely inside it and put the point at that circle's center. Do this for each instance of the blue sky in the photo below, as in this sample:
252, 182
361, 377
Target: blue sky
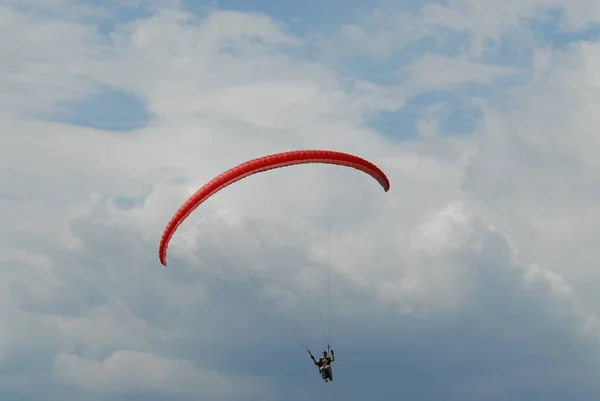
116, 110
473, 277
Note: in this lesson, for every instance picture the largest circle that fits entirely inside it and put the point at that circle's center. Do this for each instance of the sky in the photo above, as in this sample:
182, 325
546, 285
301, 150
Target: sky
474, 277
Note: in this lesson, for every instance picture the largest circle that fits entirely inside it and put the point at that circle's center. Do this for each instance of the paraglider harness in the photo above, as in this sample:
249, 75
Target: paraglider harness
324, 365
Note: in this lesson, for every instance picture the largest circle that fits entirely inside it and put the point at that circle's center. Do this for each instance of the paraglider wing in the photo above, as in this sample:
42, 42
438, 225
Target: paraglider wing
259, 165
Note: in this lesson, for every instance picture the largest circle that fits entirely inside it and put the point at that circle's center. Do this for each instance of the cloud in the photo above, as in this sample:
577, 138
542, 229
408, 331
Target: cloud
474, 275
144, 371
425, 73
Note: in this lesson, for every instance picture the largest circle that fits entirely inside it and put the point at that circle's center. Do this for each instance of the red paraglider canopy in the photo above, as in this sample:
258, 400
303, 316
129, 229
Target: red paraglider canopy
259, 165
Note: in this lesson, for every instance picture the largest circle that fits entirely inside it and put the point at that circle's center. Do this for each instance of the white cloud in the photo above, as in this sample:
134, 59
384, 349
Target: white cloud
426, 75
127, 368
